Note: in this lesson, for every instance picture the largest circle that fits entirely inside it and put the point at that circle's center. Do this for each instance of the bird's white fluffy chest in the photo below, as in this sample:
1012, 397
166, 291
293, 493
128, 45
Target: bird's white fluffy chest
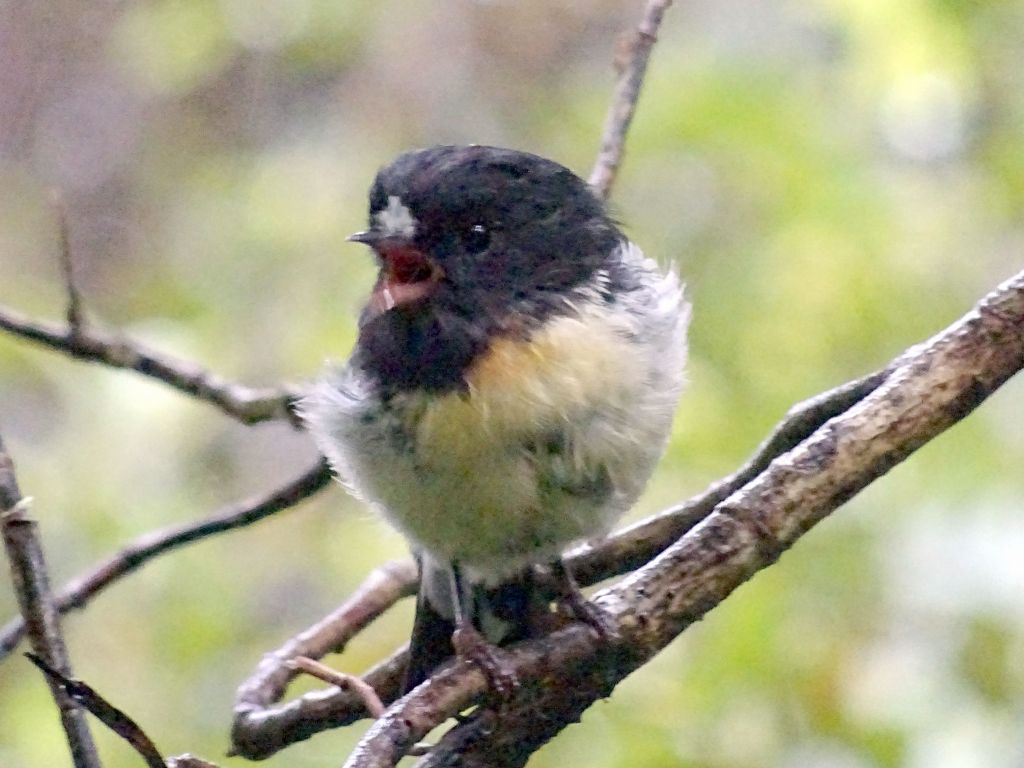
553, 438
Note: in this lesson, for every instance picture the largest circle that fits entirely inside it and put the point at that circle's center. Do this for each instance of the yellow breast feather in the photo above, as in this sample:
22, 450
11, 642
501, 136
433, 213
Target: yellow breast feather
520, 386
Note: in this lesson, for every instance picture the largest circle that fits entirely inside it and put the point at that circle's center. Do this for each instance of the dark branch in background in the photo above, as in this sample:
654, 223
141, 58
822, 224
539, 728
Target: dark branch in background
73, 314
143, 549
632, 66
107, 713
929, 388
261, 727
32, 587
246, 404
116, 720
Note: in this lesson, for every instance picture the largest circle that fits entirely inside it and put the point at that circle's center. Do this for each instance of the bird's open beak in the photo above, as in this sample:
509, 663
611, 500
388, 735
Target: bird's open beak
407, 274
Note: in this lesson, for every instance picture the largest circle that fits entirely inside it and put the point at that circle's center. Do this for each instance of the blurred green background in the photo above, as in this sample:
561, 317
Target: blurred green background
836, 180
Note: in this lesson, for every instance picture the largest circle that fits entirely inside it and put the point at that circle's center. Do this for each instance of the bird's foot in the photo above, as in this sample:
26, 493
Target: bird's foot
591, 614
596, 617
470, 645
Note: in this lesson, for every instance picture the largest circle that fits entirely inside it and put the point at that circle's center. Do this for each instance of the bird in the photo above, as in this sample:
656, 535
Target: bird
513, 384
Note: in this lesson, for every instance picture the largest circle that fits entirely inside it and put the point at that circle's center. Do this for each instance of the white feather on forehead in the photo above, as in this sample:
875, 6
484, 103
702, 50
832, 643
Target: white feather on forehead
395, 220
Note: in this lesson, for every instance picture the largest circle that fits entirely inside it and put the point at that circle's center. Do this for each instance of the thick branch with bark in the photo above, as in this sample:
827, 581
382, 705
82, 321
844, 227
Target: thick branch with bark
262, 726
929, 388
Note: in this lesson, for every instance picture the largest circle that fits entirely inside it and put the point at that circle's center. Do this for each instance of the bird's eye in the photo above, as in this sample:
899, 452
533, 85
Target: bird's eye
476, 238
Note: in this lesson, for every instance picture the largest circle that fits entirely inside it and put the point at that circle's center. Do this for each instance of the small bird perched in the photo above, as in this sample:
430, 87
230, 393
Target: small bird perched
518, 366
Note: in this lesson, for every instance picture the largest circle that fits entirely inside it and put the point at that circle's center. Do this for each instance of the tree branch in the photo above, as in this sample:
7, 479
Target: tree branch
73, 314
261, 727
137, 553
112, 717
929, 388
631, 547
632, 66
32, 587
247, 405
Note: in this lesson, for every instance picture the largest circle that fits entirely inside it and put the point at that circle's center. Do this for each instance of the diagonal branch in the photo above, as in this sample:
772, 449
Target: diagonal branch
262, 727
134, 555
74, 313
631, 547
32, 587
247, 405
632, 66
112, 717
929, 388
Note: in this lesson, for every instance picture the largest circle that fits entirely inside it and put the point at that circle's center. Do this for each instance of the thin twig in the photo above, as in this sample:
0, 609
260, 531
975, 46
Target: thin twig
345, 681
112, 717
246, 404
636, 53
73, 313
143, 549
116, 720
32, 587
261, 728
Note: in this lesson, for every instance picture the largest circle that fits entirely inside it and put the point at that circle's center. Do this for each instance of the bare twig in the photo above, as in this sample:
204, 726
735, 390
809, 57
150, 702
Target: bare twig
247, 405
116, 720
261, 728
930, 387
635, 55
31, 585
112, 717
78, 591
358, 686
73, 313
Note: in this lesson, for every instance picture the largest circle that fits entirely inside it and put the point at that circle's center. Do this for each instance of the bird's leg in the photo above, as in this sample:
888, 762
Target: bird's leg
584, 610
471, 645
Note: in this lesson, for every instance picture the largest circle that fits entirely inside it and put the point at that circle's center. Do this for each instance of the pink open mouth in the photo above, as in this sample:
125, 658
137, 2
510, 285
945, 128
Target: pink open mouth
407, 275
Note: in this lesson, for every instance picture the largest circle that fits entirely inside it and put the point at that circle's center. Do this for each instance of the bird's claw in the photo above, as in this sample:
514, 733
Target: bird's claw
470, 645
597, 618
